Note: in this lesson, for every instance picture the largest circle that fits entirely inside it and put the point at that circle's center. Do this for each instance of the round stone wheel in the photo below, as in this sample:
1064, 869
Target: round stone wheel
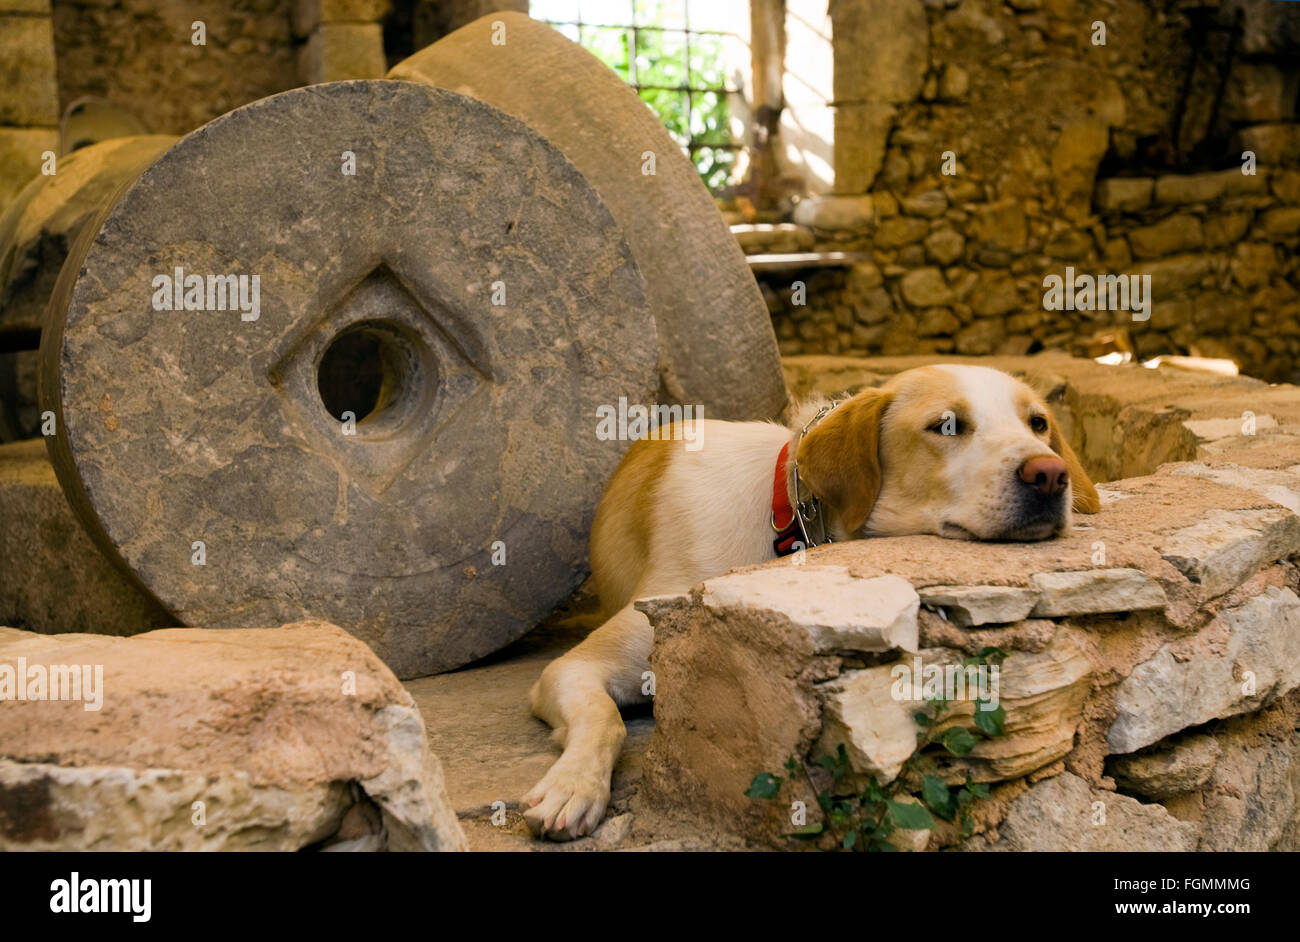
400, 436
717, 346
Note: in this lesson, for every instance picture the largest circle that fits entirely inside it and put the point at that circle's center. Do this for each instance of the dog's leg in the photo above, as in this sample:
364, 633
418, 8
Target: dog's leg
579, 695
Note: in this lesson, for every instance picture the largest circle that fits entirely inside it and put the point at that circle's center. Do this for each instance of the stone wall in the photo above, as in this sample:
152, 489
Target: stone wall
1067, 154
140, 54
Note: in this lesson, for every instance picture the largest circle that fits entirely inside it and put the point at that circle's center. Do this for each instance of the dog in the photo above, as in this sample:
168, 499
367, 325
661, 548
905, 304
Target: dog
963, 452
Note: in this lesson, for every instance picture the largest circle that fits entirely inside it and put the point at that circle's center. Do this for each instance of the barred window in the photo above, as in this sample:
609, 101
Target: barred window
673, 52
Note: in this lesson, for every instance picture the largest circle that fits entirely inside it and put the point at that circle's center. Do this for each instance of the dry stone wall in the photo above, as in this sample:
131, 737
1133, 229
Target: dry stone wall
1064, 154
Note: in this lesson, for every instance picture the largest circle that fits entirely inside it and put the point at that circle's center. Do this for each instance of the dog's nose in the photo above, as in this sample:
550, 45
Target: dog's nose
1047, 473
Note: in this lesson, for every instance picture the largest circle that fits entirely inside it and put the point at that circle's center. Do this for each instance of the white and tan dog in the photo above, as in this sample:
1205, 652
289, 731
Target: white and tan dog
959, 451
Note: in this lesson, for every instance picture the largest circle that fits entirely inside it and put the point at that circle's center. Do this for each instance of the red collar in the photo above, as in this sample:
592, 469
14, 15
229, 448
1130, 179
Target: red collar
789, 537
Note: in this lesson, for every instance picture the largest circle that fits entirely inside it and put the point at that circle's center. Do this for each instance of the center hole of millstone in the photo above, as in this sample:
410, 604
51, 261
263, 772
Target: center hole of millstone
374, 373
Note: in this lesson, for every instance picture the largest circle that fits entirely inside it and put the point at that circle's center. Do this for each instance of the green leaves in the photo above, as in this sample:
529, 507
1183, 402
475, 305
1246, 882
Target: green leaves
990, 721
865, 820
958, 741
937, 795
765, 786
910, 817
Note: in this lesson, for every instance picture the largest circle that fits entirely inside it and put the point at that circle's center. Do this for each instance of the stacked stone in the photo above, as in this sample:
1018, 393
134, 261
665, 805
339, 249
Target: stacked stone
1030, 109
153, 59
1220, 249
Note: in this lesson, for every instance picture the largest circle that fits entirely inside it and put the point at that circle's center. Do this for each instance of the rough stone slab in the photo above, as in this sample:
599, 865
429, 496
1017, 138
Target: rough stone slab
1204, 187
54, 578
296, 725
1232, 545
839, 612
767, 239
1281, 487
1168, 770
44, 221
1059, 814
1042, 693
1252, 797
717, 346
969, 605
1095, 591
1215, 429
1124, 194
836, 213
185, 426
1182, 686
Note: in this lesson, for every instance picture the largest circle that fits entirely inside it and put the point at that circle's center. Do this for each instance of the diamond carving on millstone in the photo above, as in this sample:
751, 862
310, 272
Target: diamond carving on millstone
373, 380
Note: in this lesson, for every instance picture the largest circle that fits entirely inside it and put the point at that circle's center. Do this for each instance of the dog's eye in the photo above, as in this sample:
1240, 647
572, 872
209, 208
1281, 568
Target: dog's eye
948, 425
1038, 423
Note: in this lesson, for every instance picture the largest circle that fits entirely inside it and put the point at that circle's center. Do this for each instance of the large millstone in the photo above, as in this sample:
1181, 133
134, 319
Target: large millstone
456, 514
717, 348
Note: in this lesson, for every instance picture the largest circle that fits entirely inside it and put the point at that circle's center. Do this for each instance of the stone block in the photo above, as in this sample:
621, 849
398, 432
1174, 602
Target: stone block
1230, 546
56, 580
1189, 683
1061, 814
279, 733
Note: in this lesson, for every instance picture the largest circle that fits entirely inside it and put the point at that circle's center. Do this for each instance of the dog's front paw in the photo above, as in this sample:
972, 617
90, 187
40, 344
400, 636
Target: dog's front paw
568, 802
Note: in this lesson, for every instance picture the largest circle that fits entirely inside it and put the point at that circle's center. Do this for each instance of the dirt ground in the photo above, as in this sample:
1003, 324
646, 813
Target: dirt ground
493, 749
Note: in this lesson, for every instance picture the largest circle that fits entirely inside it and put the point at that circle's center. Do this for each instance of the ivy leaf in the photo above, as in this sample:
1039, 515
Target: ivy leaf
958, 741
922, 719
938, 797
849, 840
992, 652
990, 722
765, 785
883, 847
910, 817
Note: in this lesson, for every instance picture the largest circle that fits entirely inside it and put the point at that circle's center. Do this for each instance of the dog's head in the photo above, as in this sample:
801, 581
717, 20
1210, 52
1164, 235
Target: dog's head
959, 451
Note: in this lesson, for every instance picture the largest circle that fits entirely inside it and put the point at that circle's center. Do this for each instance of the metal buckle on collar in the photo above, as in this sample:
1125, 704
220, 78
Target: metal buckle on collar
809, 510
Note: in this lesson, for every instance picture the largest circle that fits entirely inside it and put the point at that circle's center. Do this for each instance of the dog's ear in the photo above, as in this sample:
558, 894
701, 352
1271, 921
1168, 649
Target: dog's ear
839, 458
1085, 499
